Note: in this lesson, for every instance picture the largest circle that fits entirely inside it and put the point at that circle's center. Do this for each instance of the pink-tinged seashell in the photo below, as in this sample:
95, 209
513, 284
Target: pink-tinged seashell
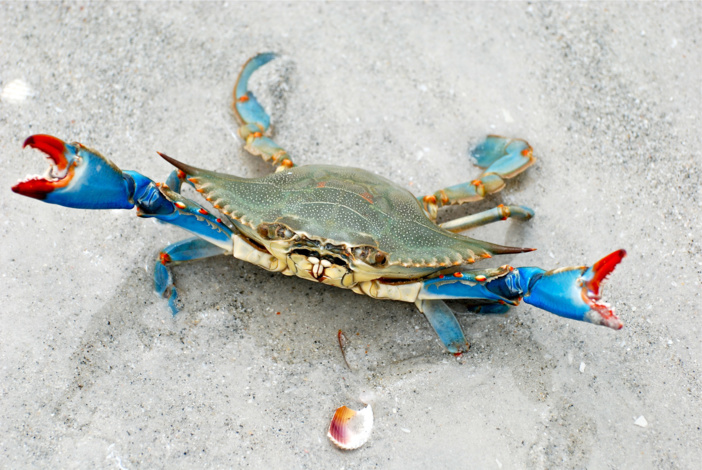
351, 429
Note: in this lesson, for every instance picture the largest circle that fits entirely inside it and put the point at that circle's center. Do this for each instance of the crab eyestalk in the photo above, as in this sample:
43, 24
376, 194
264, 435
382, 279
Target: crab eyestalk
78, 177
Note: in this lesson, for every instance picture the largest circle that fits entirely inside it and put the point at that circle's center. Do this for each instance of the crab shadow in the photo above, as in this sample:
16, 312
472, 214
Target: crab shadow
290, 319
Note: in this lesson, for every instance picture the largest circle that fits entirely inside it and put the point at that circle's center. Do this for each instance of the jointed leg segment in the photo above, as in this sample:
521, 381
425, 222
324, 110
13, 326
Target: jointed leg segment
253, 120
189, 249
501, 157
500, 212
573, 292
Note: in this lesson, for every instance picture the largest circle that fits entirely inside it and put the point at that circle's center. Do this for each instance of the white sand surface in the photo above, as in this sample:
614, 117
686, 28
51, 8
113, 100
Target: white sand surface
94, 371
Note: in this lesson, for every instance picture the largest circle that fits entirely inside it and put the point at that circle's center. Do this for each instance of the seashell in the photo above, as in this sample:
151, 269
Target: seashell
350, 429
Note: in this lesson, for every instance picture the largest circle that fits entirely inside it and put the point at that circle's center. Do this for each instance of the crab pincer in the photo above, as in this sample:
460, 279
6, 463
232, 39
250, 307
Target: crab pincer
78, 177
572, 292
576, 292
82, 178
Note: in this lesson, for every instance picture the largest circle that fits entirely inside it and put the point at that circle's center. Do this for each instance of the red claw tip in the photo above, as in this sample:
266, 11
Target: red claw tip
602, 313
52, 146
36, 188
60, 174
602, 269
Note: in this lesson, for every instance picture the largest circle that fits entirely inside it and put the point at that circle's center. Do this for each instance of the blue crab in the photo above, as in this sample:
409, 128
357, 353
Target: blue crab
344, 227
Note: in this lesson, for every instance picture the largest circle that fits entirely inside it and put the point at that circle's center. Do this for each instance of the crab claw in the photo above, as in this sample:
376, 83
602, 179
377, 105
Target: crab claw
591, 282
78, 177
575, 292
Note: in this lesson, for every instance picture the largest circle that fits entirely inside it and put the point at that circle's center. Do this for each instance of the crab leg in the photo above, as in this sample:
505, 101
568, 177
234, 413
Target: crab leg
572, 292
78, 177
253, 120
82, 178
445, 325
185, 250
502, 158
487, 217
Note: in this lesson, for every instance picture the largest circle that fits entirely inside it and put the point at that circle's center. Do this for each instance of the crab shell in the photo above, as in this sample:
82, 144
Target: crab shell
337, 225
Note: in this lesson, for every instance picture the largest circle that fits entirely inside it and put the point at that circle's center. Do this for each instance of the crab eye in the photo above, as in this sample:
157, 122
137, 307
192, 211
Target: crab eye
370, 255
275, 232
283, 232
380, 259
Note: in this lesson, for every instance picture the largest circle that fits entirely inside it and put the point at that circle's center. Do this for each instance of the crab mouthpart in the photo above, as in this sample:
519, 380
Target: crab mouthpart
59, 173
592, 281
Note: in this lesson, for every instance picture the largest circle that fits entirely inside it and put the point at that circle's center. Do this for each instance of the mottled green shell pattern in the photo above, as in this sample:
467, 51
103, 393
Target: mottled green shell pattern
343, 206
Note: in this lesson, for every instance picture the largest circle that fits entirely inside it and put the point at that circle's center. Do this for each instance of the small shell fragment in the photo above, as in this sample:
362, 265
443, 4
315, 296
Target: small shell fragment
16, 91
350, 429
641, 422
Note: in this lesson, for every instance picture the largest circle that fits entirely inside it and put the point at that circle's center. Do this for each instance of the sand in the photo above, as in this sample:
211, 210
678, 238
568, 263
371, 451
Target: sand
96, 373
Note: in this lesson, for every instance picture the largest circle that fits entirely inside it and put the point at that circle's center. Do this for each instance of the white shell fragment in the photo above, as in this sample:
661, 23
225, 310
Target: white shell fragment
351, 429
16, 91
641, 421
